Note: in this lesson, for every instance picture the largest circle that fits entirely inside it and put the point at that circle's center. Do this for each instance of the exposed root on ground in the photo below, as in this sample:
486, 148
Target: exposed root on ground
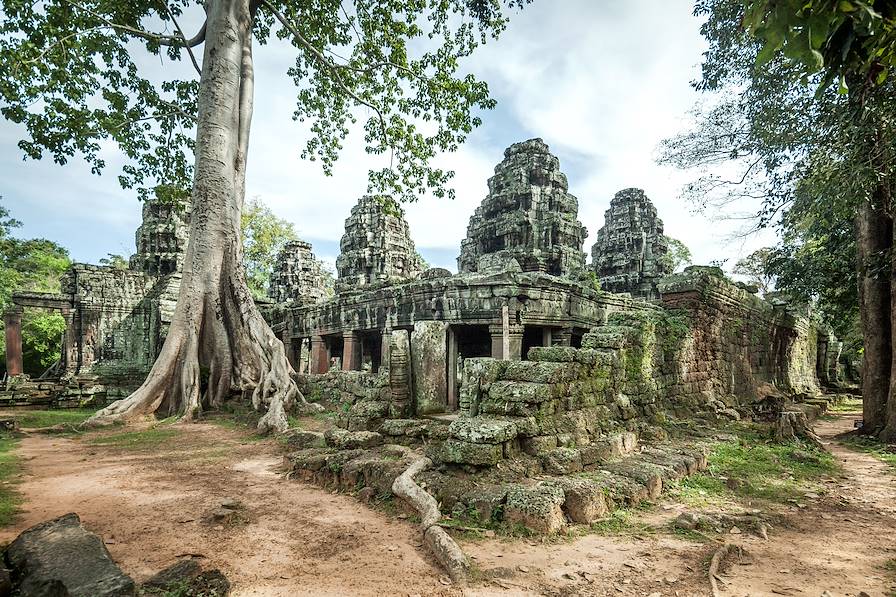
437, 540
717, 558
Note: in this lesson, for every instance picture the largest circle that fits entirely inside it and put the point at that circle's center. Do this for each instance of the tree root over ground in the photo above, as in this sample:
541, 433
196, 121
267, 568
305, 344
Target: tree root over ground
717, 558
437, 540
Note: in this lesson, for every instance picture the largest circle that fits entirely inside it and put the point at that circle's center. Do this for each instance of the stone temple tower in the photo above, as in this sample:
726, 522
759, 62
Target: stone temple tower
297, 276
376, 246
528, 216
161, 238
628, 254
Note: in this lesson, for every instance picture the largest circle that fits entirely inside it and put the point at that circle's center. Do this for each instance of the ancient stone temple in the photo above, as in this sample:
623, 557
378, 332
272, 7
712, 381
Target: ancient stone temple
528, 217
627, 256
161, 238
376, 246
297, 276
116, 319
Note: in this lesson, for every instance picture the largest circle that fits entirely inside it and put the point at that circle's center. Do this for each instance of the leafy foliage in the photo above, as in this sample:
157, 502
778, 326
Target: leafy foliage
842, 38
264, 236
806, 154
31, 265
755, 268
73, 77
678, 255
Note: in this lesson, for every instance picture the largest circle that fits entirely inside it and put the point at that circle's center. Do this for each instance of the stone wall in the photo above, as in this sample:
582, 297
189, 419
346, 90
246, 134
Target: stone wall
713, 348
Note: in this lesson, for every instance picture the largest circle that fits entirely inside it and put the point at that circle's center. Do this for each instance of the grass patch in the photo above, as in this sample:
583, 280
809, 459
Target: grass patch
752, 466
10, 499
883, 452
621, 522
848, 405
145, 439
51, 418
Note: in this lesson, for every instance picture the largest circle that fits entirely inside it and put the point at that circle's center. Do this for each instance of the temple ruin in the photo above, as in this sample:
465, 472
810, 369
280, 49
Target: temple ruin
517, 366
627, 256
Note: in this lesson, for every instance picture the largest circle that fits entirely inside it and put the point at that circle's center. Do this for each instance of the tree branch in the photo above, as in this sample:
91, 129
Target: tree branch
329, 64
184, 37
164, 40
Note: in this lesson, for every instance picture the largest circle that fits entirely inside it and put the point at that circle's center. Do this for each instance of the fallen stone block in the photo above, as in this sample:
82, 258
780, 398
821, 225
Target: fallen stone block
301, 439
460, 452
584, 500
60, 557
538, 508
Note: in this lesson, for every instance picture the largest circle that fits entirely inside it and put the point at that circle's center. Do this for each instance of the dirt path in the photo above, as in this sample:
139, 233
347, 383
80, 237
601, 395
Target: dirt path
150, 508
839, 543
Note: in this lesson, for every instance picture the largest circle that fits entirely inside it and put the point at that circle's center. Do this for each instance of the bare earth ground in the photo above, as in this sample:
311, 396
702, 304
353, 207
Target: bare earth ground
295, 539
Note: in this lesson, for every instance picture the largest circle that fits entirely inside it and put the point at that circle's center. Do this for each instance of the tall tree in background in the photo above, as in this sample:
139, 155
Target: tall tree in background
853, 43
755, 268
814, 158
33, 265
264, 235
71, 76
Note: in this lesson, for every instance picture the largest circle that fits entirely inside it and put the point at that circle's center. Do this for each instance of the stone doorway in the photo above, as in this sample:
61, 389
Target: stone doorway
464, 342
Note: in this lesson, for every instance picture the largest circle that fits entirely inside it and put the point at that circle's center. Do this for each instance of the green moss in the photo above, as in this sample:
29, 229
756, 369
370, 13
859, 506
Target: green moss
758, 468
621, 522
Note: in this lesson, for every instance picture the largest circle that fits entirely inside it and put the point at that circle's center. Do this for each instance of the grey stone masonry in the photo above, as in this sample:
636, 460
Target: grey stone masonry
161, 238
297, 276
376, 246
528, 217
628, 254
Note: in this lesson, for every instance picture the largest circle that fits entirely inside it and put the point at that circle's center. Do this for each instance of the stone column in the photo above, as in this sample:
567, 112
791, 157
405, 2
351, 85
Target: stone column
507, 342
320, 358
351, 352
12, 319
452, 370
69, 343
290, 349
546, 336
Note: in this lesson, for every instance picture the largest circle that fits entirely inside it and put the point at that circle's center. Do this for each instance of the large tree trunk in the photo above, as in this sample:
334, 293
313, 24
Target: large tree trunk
874, 231
217, 341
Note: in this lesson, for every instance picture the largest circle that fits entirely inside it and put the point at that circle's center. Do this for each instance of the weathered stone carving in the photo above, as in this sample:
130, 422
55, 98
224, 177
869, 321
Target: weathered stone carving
627, 256
528, 216
297, 276
161, 238
376, 246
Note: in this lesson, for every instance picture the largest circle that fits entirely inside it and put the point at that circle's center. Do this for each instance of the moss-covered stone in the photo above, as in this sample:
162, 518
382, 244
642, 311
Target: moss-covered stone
561, 461
483, 430
538, 508
456, 451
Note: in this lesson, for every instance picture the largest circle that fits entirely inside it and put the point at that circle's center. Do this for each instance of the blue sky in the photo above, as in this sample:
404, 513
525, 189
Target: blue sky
601, 82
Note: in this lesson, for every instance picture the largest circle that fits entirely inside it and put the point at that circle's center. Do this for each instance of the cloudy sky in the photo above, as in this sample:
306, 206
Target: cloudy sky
602, 82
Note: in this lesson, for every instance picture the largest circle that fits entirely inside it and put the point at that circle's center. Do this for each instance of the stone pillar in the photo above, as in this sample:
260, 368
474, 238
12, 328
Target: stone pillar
507, 343
351, 352
320, 358
12, 319
546, 336
69, 352
452, 370
562, 337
